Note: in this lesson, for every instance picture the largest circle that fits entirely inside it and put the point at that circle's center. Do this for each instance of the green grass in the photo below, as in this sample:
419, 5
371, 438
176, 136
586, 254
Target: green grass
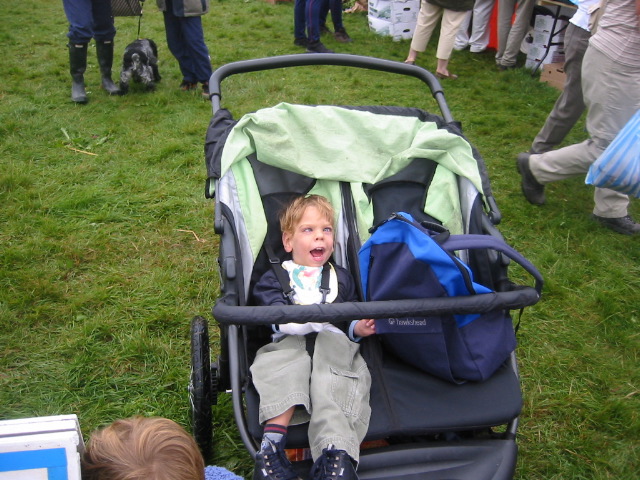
107, 247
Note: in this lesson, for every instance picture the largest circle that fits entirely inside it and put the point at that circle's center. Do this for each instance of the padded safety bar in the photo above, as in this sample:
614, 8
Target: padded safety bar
335, 59
228, 314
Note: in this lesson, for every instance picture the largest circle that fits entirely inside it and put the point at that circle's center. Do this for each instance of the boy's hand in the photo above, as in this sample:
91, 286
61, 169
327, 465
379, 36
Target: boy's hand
365, 327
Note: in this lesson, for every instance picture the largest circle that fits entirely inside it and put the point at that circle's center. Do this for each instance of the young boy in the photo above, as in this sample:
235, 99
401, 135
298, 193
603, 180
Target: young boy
329, 387
146, 448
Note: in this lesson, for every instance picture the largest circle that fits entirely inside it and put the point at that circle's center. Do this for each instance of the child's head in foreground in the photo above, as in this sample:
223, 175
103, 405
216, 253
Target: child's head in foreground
140, 448
307, 230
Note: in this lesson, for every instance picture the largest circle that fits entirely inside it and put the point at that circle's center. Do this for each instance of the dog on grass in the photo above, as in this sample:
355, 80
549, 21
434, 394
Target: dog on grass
140, 64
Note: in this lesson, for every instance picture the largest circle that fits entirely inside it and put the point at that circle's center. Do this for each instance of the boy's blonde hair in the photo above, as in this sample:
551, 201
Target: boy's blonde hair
294, 212
140, 448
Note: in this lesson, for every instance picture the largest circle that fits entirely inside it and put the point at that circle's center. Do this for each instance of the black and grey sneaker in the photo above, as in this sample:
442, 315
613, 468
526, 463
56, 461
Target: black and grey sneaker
333, 464
318, 47
624, 225
272, 463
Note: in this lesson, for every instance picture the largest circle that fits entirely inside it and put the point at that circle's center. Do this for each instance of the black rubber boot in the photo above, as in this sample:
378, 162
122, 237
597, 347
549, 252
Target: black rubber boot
105, 60
78, 65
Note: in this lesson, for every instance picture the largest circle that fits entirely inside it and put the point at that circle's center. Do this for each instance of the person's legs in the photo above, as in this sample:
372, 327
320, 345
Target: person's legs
196, 48
104, 29
505, 14
340, 384
480, 30
299, 23
176, 44
428, 18
569, 105
612, 96
462, 37
449, 27
518, 30
80, 17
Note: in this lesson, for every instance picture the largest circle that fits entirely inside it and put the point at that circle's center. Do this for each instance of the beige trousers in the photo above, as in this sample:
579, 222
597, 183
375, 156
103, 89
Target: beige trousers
428, 18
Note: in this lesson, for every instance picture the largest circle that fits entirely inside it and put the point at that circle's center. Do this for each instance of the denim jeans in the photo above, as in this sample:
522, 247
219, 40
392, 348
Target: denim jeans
185, 39
89, 19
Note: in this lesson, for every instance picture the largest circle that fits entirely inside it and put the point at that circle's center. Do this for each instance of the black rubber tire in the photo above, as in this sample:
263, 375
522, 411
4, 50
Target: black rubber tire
201, 386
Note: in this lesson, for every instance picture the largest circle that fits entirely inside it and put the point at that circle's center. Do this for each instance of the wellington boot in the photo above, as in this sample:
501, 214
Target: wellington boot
77, 67
104, 51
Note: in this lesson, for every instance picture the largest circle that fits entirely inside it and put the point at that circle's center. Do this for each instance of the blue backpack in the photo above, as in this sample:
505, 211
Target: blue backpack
404, 259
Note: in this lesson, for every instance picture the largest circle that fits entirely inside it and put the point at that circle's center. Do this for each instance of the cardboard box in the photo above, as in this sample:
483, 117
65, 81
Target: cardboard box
395, 11
536, 52
544, 23
398, 31
553, 74
41, 448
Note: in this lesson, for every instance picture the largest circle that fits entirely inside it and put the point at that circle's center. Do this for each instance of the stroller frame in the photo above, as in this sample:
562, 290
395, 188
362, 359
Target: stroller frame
418, 431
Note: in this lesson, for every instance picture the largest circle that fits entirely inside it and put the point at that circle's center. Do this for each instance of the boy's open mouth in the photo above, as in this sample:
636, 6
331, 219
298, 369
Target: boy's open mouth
317, 253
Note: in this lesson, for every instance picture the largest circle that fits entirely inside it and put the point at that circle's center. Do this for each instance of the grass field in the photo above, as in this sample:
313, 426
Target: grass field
107, 247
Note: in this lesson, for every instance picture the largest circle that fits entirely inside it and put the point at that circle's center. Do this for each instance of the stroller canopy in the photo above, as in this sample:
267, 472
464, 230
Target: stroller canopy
336, 144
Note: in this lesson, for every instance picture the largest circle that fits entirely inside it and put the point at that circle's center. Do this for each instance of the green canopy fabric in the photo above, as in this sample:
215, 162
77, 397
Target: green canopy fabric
335, 144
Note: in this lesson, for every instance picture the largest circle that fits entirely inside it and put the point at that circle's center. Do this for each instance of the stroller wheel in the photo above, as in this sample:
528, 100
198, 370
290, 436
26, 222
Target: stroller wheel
201, 387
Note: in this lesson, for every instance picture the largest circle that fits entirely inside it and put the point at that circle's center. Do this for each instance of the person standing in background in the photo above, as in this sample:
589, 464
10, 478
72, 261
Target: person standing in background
452, 13
510, 35
185, 39
479, 19
90, 19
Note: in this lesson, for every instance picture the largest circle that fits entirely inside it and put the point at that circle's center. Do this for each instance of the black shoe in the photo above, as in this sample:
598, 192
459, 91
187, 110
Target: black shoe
324, 30
205, 91
503, 68
342, 36
318, 47
624, 225
188, 86
333, 464
272, 463
301, 42
531, 189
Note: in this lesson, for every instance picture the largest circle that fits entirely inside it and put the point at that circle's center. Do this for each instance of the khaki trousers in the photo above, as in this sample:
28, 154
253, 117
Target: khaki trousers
428, 18
331, 389
612, 95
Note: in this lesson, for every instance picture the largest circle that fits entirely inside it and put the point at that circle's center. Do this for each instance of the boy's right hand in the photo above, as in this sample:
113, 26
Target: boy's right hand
365, 327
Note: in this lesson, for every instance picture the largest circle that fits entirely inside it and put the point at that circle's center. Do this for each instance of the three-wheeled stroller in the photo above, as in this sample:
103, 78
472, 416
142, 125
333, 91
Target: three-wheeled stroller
369, 162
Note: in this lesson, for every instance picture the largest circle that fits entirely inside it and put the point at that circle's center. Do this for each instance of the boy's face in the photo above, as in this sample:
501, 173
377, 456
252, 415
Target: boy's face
311, 242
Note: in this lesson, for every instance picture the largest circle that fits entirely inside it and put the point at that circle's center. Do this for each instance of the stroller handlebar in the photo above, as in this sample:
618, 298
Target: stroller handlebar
226, 313
334, 59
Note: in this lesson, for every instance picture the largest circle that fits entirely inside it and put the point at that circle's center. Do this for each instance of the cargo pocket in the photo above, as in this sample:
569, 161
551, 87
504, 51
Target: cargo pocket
350, 390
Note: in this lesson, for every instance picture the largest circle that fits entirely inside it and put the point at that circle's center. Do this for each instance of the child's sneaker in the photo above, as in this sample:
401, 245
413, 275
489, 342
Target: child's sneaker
342, 36
272, 463
318, 47
333, 464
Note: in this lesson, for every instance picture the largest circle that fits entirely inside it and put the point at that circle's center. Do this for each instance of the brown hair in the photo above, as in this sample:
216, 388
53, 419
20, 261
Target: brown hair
294, 212
140, 448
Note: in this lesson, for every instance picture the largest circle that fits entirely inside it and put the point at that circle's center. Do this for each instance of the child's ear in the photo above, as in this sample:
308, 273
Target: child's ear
286, 242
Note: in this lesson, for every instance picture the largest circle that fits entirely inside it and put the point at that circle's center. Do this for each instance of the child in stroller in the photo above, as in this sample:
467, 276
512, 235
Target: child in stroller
293, 382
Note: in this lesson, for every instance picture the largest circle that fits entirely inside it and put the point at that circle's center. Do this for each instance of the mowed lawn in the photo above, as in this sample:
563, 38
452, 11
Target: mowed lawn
107, 247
